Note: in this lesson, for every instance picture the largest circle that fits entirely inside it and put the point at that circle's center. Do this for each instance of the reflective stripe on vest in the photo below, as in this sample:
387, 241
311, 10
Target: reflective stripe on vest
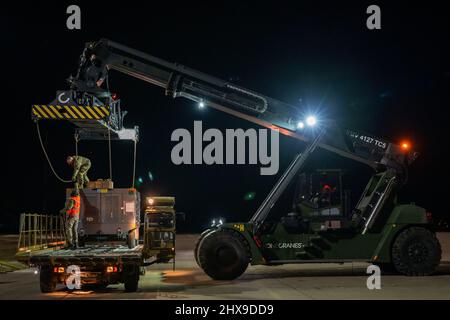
75, 211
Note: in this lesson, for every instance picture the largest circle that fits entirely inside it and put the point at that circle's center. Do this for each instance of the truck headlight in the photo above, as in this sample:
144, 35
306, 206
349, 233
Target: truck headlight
217, 222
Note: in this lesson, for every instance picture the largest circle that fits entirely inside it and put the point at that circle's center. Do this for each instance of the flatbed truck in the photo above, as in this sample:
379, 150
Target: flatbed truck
98, 264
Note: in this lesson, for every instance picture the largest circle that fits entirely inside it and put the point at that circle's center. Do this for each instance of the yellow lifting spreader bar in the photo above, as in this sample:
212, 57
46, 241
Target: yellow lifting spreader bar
68, 112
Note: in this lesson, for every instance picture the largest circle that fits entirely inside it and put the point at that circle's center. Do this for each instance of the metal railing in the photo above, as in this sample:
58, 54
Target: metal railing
41, 231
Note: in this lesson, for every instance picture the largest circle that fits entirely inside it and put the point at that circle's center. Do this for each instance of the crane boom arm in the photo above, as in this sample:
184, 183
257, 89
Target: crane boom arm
180, 81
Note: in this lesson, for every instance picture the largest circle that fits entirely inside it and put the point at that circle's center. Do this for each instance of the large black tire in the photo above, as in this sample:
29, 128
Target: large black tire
223, 254
46, 280
131, 278
416, 252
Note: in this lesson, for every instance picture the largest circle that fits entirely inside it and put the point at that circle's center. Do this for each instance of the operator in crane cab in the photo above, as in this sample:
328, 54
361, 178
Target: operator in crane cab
324, 197
72, 212
81, 166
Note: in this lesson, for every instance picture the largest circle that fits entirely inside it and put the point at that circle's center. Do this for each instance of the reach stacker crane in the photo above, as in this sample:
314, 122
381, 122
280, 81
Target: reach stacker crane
321, 227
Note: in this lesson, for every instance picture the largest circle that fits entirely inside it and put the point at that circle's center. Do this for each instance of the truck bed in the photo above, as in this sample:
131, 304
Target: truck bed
88, 255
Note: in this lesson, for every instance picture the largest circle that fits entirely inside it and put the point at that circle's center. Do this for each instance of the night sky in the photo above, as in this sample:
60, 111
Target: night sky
393, 83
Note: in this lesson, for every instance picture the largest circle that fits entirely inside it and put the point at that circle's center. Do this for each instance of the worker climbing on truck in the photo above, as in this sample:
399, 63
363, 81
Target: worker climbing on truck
81, 166
72, 212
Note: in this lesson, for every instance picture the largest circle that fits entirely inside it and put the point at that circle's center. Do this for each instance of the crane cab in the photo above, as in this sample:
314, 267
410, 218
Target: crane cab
319, 198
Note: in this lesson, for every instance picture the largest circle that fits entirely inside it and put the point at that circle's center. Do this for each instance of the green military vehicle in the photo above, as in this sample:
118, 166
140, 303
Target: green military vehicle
400, 237
321, 226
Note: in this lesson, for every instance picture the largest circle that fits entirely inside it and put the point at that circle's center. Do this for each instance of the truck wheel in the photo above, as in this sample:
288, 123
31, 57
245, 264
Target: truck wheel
223, 254
131, 239
47, 280
131, 278
416, 252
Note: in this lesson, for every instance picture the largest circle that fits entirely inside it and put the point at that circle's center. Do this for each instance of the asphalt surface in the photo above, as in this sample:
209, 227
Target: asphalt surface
310, 281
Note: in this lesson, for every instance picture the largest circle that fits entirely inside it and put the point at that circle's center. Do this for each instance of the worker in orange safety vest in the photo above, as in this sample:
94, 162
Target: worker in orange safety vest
72, 212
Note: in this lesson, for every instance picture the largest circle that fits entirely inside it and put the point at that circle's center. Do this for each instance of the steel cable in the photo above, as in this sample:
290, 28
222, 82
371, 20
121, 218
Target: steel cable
46, 156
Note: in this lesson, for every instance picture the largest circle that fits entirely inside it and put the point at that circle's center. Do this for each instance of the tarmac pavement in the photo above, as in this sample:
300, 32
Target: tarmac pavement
306, 281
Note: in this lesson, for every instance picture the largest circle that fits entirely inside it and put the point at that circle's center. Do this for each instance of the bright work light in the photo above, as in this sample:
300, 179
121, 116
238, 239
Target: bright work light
311, 121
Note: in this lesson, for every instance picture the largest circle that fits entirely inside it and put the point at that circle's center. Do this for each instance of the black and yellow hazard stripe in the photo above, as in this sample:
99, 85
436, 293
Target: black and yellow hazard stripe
63, 112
